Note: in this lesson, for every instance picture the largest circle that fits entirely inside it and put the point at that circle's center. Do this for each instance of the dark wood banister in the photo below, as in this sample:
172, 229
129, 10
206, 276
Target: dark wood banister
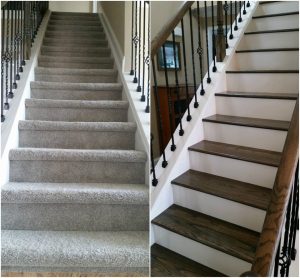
165, 32
275, 216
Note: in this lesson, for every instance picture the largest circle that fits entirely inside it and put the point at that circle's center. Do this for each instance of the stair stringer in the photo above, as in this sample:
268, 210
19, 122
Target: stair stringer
178, 161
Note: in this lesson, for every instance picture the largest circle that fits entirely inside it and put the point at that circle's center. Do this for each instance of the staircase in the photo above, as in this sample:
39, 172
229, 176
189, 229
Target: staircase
77, 200
220, 203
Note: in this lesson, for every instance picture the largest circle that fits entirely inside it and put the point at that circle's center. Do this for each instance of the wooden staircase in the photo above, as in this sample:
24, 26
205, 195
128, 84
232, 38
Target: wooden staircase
220, 203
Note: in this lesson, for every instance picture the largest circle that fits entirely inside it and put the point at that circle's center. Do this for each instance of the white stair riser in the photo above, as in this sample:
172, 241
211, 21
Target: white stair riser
275, 60
266, 82
273, 109
270, 40
230, 211
277, 7
272, 23
254, 173
260, 138
200, 253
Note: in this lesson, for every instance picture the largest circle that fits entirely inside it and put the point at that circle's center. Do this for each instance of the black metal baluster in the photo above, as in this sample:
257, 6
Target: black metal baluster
196, 104
189, 117
231, 21
244, 8
17, 39
7, 56
226, 7
214, 69
147, 61
132, 43
3, 57
159, 117
248, 4
200, 51
139, 88
154, 179
143, 98
173, 146
181, 131
20, 41
135, 41
240, 18
23, 33
12, 57
236, 16
207, 48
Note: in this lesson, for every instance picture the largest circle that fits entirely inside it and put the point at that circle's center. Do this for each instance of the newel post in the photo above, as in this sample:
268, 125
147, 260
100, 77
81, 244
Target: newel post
220, 38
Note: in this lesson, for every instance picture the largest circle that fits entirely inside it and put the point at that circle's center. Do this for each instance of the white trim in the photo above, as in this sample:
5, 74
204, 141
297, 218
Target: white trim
9, 129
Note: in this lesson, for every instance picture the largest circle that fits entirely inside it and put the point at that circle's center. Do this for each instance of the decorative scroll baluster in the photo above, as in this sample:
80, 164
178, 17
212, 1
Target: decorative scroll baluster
248, 4
189, 117
173, 146
23, 34
2, 64
244, 8
159, 119
196, 104
147, 60
139, 88
214, 69
132, 42
231, 21
207, 49
276, 265
226, 7
240, 17
154, 179
11, 45
181, 131
135, 41
200, 51
236, 16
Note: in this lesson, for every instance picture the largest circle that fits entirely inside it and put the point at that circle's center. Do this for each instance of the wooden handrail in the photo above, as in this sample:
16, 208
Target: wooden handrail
275, 216
165, 32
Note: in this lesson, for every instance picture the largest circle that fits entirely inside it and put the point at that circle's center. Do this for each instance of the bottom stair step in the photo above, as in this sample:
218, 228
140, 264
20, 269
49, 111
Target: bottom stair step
113, 252
166, 263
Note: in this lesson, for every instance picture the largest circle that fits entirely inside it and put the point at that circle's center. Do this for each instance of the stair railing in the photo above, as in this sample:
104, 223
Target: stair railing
197, 36
140, 50
19, 26
276, 246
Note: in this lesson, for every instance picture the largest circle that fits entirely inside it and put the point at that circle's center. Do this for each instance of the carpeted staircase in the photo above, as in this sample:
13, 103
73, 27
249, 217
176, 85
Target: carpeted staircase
77, 199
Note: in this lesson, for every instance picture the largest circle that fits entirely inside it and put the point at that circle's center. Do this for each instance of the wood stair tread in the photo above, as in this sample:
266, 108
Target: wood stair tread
262, 71
254, 155
249, 122
167, 263
272, 31
267, 50
274, 15
215, 233
257, 95
237, 191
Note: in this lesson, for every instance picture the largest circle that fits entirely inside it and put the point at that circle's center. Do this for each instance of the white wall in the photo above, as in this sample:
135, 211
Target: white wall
71, 6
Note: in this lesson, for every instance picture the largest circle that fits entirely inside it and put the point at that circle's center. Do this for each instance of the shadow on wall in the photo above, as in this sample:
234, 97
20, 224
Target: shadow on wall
71, 6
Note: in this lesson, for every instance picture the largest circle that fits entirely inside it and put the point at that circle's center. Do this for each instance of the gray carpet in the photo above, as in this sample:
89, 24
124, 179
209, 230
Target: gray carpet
77, 199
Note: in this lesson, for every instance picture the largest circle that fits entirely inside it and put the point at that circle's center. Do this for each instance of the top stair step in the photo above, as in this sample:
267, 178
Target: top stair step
215, 233
254, 155
167, 263
237, 191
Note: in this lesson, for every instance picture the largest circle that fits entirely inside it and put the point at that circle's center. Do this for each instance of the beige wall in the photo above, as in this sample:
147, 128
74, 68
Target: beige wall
71, 6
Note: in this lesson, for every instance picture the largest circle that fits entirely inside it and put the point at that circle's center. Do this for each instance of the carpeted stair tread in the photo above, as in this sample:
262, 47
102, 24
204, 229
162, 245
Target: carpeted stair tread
81, 193
71, 42
74, 28
81, 72
97, 34
76, 49
77, 60
107, 104
66, 22
43, 154
80, 126
74, 249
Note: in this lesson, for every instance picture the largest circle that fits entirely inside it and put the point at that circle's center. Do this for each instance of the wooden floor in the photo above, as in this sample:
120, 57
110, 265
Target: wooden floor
69, 274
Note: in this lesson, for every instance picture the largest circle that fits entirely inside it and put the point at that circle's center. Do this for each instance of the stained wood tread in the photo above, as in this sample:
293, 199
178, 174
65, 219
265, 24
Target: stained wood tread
254, 155
249, 122
266, 50
237, 191
215, 233
274, 15
166, 263
262, 71
272, 31
257, 95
